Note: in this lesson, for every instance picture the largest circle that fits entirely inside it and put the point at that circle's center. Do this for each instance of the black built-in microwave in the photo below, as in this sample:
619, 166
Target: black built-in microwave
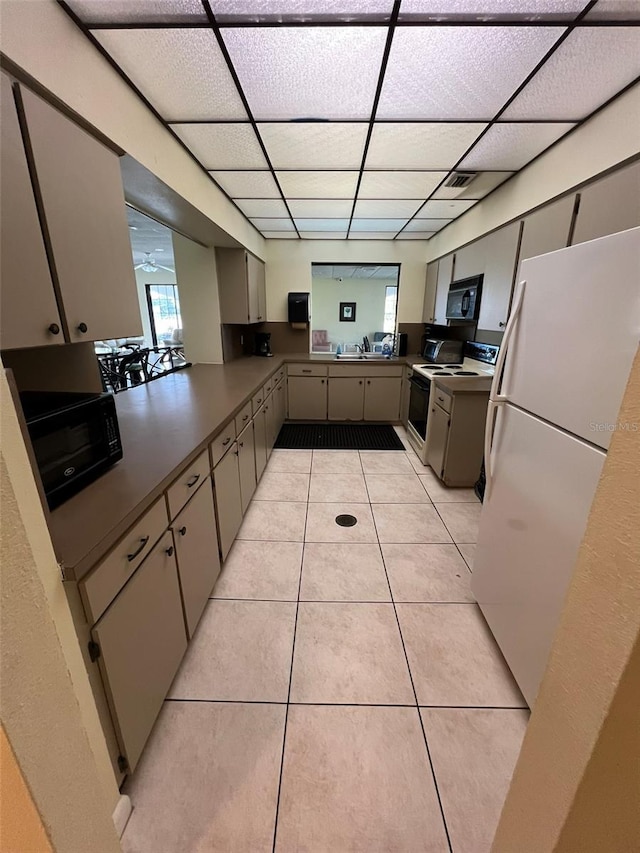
463, 299
75, 438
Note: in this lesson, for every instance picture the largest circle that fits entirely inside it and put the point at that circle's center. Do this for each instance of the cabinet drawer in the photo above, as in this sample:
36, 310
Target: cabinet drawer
366, 370
307, 370
102, 585
242, 418
278, 376
222, 443
258, 400
442, 399
187, 484
268, 387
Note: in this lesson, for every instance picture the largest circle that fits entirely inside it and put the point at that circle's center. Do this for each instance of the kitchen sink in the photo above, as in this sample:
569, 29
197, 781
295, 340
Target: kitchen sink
363, 356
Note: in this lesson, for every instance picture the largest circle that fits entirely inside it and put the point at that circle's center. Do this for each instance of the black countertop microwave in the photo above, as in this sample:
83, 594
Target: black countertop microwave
75, 438
463, 300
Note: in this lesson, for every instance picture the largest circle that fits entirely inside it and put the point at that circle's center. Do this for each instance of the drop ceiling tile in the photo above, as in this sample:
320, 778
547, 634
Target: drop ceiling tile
322, 224
143, 11
448, 209
399, 184
314, 146
471, 72
372, 235
301, 10
486, 10
247, 184
318, 184
482, 184
296, 72
415, 235
420, 146
323, 235
573, 82
512, 146
320, 208
262, 207
378, 224
223, 146
391, 208
614, 10
424, 224
267, 224
279, 235
182, 72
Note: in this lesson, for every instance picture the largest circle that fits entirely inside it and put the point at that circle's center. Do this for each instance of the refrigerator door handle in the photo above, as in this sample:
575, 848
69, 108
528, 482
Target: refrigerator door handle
488, 441
502, 355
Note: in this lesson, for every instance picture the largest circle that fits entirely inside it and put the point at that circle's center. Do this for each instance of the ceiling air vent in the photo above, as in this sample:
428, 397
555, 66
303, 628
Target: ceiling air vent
460, 179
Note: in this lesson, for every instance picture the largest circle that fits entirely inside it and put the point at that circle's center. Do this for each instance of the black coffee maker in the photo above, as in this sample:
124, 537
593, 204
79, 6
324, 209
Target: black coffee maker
262, 345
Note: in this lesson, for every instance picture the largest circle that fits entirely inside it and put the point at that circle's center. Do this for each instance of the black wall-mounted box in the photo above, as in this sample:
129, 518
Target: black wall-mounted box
299, 307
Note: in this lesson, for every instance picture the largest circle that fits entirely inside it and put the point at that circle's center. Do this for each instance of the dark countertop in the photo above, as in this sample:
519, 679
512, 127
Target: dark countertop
477, 384
164, 425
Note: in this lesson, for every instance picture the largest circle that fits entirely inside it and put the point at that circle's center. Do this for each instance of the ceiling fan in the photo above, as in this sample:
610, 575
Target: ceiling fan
149, 265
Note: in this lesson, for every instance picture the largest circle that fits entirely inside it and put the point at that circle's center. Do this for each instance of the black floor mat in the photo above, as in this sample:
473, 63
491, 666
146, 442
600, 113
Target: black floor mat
338, 437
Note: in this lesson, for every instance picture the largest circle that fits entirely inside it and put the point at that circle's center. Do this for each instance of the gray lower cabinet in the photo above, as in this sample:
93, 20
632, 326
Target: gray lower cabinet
307, 398
194, 533
270, 423
247, 465
226, 478
280, 400
142, 640
346, 398
382, 398
260, 439
438, 438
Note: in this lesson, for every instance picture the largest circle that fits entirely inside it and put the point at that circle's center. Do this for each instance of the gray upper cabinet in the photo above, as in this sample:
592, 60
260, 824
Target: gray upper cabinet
29, 313
241, 284
547, 229
79, 184
609, 205
445, 274
500, 250
430, 289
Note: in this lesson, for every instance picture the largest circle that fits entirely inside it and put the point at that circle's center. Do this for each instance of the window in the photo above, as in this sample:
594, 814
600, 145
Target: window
164, 313
390, 303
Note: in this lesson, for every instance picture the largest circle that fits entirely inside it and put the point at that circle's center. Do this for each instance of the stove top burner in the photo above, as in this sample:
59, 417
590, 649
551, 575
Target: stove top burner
466, 373
452, 366
442, 373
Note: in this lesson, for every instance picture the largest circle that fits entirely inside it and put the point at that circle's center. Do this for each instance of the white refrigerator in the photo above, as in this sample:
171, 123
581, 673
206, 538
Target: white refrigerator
567, 352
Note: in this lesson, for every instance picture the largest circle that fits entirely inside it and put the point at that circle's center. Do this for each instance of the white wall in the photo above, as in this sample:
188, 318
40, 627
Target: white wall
369, 296
289, 269
609, 138
39, 37
197, 277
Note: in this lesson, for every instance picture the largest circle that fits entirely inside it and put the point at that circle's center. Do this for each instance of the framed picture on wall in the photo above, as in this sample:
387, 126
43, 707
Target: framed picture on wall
347, 312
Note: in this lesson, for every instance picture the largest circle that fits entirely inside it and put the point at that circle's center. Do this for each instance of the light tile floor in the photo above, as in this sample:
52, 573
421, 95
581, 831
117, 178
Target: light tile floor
342, 691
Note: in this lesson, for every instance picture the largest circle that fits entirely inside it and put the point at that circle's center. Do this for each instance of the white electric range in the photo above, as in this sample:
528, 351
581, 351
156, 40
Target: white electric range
479, 360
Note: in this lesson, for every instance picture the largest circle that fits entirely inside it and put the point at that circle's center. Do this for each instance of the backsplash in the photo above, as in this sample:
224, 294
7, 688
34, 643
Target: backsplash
284, 339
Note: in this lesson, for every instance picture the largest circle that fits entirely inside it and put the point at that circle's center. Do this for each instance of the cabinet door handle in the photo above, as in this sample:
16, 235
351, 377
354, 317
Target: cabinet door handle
82, 327
226, 441
169, 551
242, 444
502, 325
368, 382
138, 550
54, 328
191, 483
182, 531
245, 418
259, 400
360, 382
306, 371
